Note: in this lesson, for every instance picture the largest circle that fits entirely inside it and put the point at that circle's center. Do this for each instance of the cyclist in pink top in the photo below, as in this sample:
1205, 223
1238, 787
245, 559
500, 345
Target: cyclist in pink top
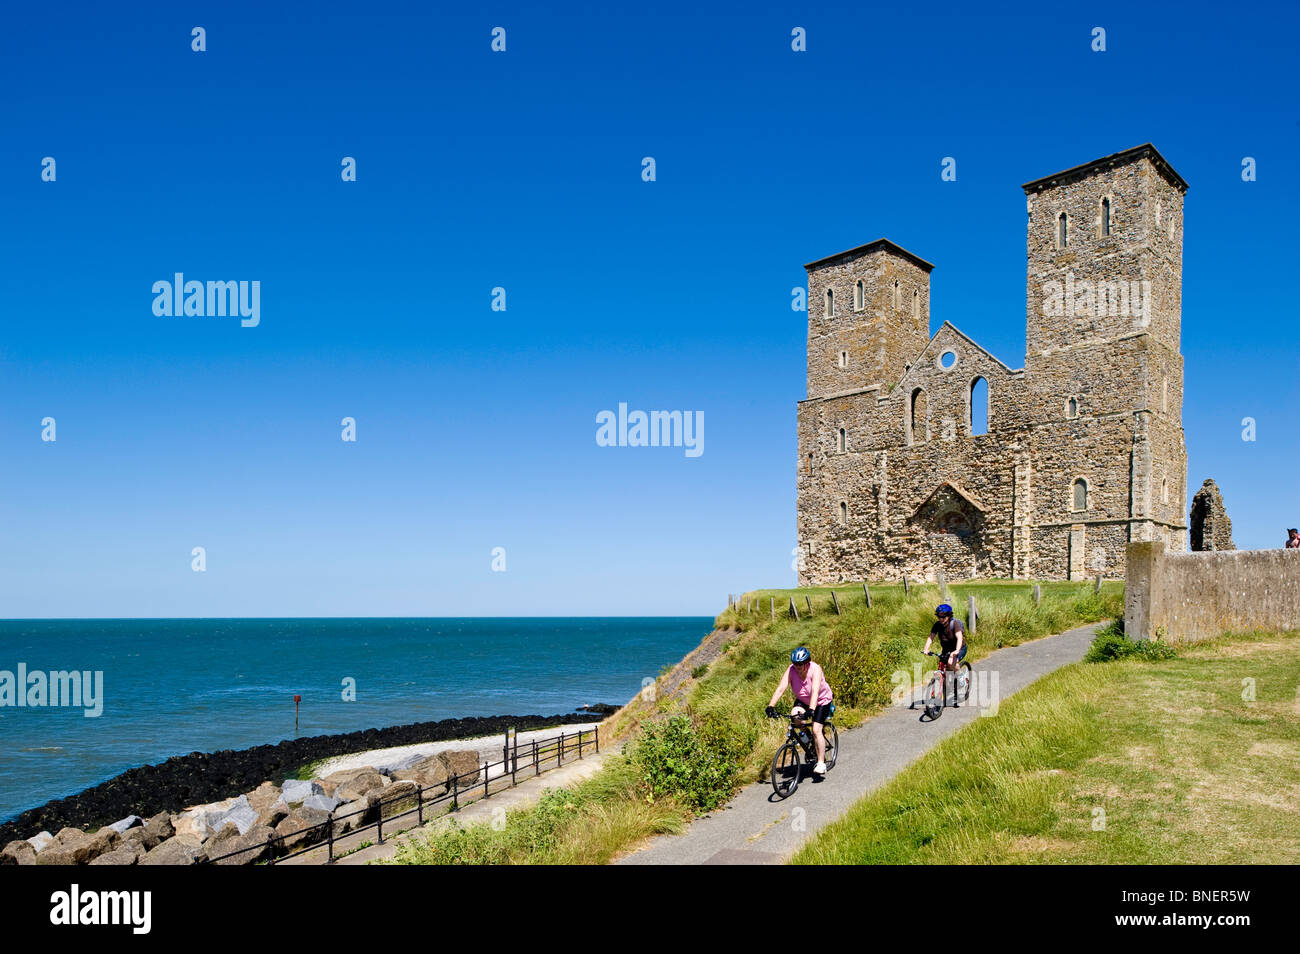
812, 694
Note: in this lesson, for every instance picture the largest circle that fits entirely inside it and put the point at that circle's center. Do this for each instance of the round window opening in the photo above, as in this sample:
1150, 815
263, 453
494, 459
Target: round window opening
947, 359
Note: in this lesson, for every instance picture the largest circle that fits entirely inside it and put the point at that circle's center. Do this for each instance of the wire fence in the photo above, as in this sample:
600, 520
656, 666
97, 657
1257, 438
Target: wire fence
529, 760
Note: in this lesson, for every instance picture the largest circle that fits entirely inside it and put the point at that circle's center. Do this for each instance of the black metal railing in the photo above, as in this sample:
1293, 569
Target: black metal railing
459, 787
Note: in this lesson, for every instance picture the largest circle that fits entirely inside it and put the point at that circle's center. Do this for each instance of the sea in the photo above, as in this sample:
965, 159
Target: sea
175, 686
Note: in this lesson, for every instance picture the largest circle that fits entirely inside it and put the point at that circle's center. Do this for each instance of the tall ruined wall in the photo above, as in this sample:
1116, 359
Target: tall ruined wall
1193, 596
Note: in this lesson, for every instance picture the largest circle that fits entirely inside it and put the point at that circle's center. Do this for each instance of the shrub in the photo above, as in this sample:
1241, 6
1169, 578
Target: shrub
699, 671
1110, 643
694, 764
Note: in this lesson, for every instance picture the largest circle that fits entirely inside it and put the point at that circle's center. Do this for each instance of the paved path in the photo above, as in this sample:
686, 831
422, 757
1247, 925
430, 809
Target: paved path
755, 828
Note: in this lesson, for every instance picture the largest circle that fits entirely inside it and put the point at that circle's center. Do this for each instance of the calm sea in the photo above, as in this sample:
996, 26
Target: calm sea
177, 686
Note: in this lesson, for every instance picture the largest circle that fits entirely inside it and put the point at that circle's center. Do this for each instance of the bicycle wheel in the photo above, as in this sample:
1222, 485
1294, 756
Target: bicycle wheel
786, 766
832, 744
963, 681
934, 695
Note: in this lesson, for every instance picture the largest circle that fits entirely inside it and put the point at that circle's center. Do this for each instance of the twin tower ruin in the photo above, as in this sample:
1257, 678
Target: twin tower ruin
921, 452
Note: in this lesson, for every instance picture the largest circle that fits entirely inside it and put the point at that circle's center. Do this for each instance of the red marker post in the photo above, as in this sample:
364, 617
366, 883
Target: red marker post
296, 700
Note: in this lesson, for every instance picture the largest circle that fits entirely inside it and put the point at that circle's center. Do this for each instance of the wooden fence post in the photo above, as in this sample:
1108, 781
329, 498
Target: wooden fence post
771, 605
836, 600
905, 588
794, 610
809, 601
867, 593
943, 584
1097, 586
972, 614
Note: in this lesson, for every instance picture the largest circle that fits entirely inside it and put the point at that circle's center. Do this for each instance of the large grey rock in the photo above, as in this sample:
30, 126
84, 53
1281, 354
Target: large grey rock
430, 772
330, 783
71, 846
243, 849
359, 786
173, 851
130, 821
398, 764
295, 791
395, 799
463, 763
127, 853
158, 829
346, 816
300, 829
18, 853
263, 797
40, 842
241, 814
277, 813
322, 803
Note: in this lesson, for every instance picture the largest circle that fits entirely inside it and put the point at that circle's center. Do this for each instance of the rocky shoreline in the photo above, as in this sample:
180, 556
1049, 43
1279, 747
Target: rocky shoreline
199, 778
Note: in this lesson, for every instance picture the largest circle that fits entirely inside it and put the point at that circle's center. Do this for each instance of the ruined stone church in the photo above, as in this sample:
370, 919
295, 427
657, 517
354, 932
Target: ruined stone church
922, 452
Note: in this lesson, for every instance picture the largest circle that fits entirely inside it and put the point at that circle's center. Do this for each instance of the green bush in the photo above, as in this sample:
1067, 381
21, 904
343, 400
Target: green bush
699, 671
694, 764
1110, 643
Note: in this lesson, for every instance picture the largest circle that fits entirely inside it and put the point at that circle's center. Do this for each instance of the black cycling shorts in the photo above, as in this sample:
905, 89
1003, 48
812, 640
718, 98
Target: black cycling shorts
820, 714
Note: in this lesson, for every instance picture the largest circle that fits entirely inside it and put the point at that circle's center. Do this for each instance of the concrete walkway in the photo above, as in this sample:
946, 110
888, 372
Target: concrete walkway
756, 828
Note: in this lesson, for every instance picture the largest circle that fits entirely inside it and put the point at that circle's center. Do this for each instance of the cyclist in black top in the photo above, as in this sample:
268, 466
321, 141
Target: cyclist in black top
950, 633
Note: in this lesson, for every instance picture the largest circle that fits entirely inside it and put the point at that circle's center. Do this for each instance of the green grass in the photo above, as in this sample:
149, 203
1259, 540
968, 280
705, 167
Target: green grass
649, 792
1133, 761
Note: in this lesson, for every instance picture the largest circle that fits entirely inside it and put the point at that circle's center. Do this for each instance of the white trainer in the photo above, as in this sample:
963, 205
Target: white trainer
819, 768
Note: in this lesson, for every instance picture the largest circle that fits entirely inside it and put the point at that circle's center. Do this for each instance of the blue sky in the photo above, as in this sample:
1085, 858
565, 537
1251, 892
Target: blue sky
523, 170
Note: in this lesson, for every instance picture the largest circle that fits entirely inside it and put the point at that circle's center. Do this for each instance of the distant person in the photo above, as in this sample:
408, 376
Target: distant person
812, 694
1293, 539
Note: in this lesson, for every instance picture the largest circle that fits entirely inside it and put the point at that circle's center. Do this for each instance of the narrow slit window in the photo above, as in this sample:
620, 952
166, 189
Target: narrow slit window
1062, 231
844, 440
830, 302
1105, 217
916, 304
844, 514
1080, 494
857, 295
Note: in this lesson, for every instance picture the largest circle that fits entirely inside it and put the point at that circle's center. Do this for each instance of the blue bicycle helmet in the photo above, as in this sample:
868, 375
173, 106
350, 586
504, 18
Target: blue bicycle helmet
800, 655
943, 609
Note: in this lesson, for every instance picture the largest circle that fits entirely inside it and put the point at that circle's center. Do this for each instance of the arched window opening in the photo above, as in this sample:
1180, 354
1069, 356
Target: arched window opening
979, 407
916, 420
1105, 217
844, 359
1164, 490
1062, 231
916, 304
1080, 494
857, 295
830, 302
844, 514
1072, 407
898, 295
844, 440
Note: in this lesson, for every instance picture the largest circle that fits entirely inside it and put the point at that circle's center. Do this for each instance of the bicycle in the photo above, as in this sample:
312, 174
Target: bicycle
936, 689
800, 746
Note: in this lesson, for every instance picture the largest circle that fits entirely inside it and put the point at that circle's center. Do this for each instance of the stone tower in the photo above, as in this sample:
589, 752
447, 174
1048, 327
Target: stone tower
868, 316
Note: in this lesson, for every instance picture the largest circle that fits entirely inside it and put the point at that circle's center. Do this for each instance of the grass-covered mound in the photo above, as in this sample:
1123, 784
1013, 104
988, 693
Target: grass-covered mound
699, 733
1185, 760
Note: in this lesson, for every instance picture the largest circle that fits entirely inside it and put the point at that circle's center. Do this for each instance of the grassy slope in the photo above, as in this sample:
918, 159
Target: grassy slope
1185, 770
859, 650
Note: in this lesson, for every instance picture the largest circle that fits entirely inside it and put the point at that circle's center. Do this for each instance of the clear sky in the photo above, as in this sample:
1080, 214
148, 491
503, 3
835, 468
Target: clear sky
523, 170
